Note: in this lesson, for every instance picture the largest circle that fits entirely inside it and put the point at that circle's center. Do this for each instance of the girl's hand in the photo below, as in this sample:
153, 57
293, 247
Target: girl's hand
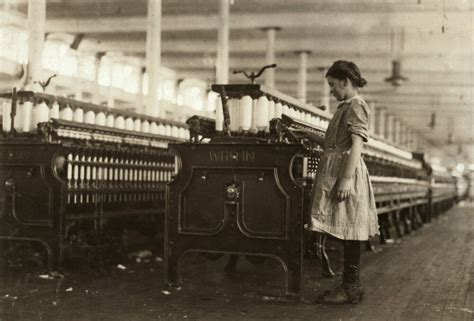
343, 189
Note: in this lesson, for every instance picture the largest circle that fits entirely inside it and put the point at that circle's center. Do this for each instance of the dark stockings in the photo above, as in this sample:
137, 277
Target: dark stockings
350, 290
351, 262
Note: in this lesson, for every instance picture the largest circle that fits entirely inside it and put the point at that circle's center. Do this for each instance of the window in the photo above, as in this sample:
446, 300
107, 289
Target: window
166, 89
68, 62
104, 71
14, 44
86, 67
211, 101
130, 77
193, 93
58, 57
51, 56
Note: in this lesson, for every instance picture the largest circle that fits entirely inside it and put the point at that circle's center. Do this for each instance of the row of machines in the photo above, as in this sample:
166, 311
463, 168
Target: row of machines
244, 183
70, 171
73, 174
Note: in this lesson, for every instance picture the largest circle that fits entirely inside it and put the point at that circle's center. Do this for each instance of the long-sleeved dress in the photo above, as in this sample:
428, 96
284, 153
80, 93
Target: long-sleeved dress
355, 218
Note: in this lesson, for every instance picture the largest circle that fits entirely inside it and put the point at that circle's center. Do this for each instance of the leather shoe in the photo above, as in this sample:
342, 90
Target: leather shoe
344, 293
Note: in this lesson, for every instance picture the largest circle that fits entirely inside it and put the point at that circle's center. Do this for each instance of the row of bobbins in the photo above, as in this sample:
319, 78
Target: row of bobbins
28, 115
386, 151
254, 115
87, 174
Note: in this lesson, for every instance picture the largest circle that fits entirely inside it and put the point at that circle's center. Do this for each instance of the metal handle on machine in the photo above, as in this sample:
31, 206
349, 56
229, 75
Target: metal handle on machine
10, 196
232, 192
225, 110
13, 113
252, 76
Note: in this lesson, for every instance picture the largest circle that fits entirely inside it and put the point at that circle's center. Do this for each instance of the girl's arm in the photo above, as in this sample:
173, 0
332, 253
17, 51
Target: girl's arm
344, 185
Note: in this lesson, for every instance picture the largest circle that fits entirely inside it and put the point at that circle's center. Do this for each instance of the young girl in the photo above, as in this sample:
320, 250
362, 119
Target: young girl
343, 203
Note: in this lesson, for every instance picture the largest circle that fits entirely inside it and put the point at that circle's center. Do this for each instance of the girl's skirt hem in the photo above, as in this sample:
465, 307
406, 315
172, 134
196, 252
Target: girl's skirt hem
345, 233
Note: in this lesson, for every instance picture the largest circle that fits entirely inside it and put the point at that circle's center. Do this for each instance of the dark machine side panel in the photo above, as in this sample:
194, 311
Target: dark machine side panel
236, 198
27, 191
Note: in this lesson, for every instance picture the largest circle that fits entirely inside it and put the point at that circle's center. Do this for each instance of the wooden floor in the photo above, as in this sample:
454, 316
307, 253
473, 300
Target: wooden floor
426, 275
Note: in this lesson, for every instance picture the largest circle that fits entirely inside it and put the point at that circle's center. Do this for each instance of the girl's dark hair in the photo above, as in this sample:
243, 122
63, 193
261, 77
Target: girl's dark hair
343, 69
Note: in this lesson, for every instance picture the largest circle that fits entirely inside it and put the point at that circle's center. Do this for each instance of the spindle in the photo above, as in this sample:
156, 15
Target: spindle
100, 119
119, 122
219, 115
245, 110
78, 115
89, 117
145, 127
262, 113
6, 121
66, 113
54, 112
137, 126
27, 116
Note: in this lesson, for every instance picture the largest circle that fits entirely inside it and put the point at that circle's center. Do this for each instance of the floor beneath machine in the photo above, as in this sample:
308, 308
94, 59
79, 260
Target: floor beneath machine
426, 275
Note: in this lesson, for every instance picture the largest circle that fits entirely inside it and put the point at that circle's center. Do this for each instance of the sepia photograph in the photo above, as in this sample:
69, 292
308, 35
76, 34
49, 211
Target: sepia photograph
215, 160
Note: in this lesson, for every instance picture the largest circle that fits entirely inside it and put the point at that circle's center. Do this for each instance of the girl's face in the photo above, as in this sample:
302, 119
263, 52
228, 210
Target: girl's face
337, 87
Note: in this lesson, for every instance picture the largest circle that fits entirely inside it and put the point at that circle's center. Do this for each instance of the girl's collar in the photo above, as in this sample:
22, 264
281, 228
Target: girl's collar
348, 100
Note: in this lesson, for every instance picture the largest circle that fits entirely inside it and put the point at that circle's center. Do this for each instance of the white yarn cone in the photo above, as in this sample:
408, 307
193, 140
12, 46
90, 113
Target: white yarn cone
40, 114
100, 119
271, 110
129, 123
262, 113
18, 125
54, 112
278, 110
219, 115
7, 121
66, 113
245, 112
119, 122
89, 117
137, 126
27, 116
234, 114
78, 115
253, 126
154, 128
145, 126
110, 122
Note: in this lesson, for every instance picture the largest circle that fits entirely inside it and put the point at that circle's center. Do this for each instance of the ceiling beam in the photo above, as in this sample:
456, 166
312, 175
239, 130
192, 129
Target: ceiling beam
432, 65
375, 78
362, 21
421, 85
410, 107
323, 46
380, 88
407, 102
406, 93
13, 18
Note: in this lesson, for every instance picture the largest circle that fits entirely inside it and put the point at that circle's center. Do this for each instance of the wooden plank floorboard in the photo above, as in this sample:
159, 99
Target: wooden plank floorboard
428, 276
425, 276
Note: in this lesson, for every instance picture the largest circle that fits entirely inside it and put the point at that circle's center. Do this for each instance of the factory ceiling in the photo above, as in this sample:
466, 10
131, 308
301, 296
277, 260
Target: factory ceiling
432, 39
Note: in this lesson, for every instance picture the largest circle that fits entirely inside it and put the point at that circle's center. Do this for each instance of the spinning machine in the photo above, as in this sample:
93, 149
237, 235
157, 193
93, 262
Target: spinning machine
240, 189
69, 170
244, 183
239, 184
